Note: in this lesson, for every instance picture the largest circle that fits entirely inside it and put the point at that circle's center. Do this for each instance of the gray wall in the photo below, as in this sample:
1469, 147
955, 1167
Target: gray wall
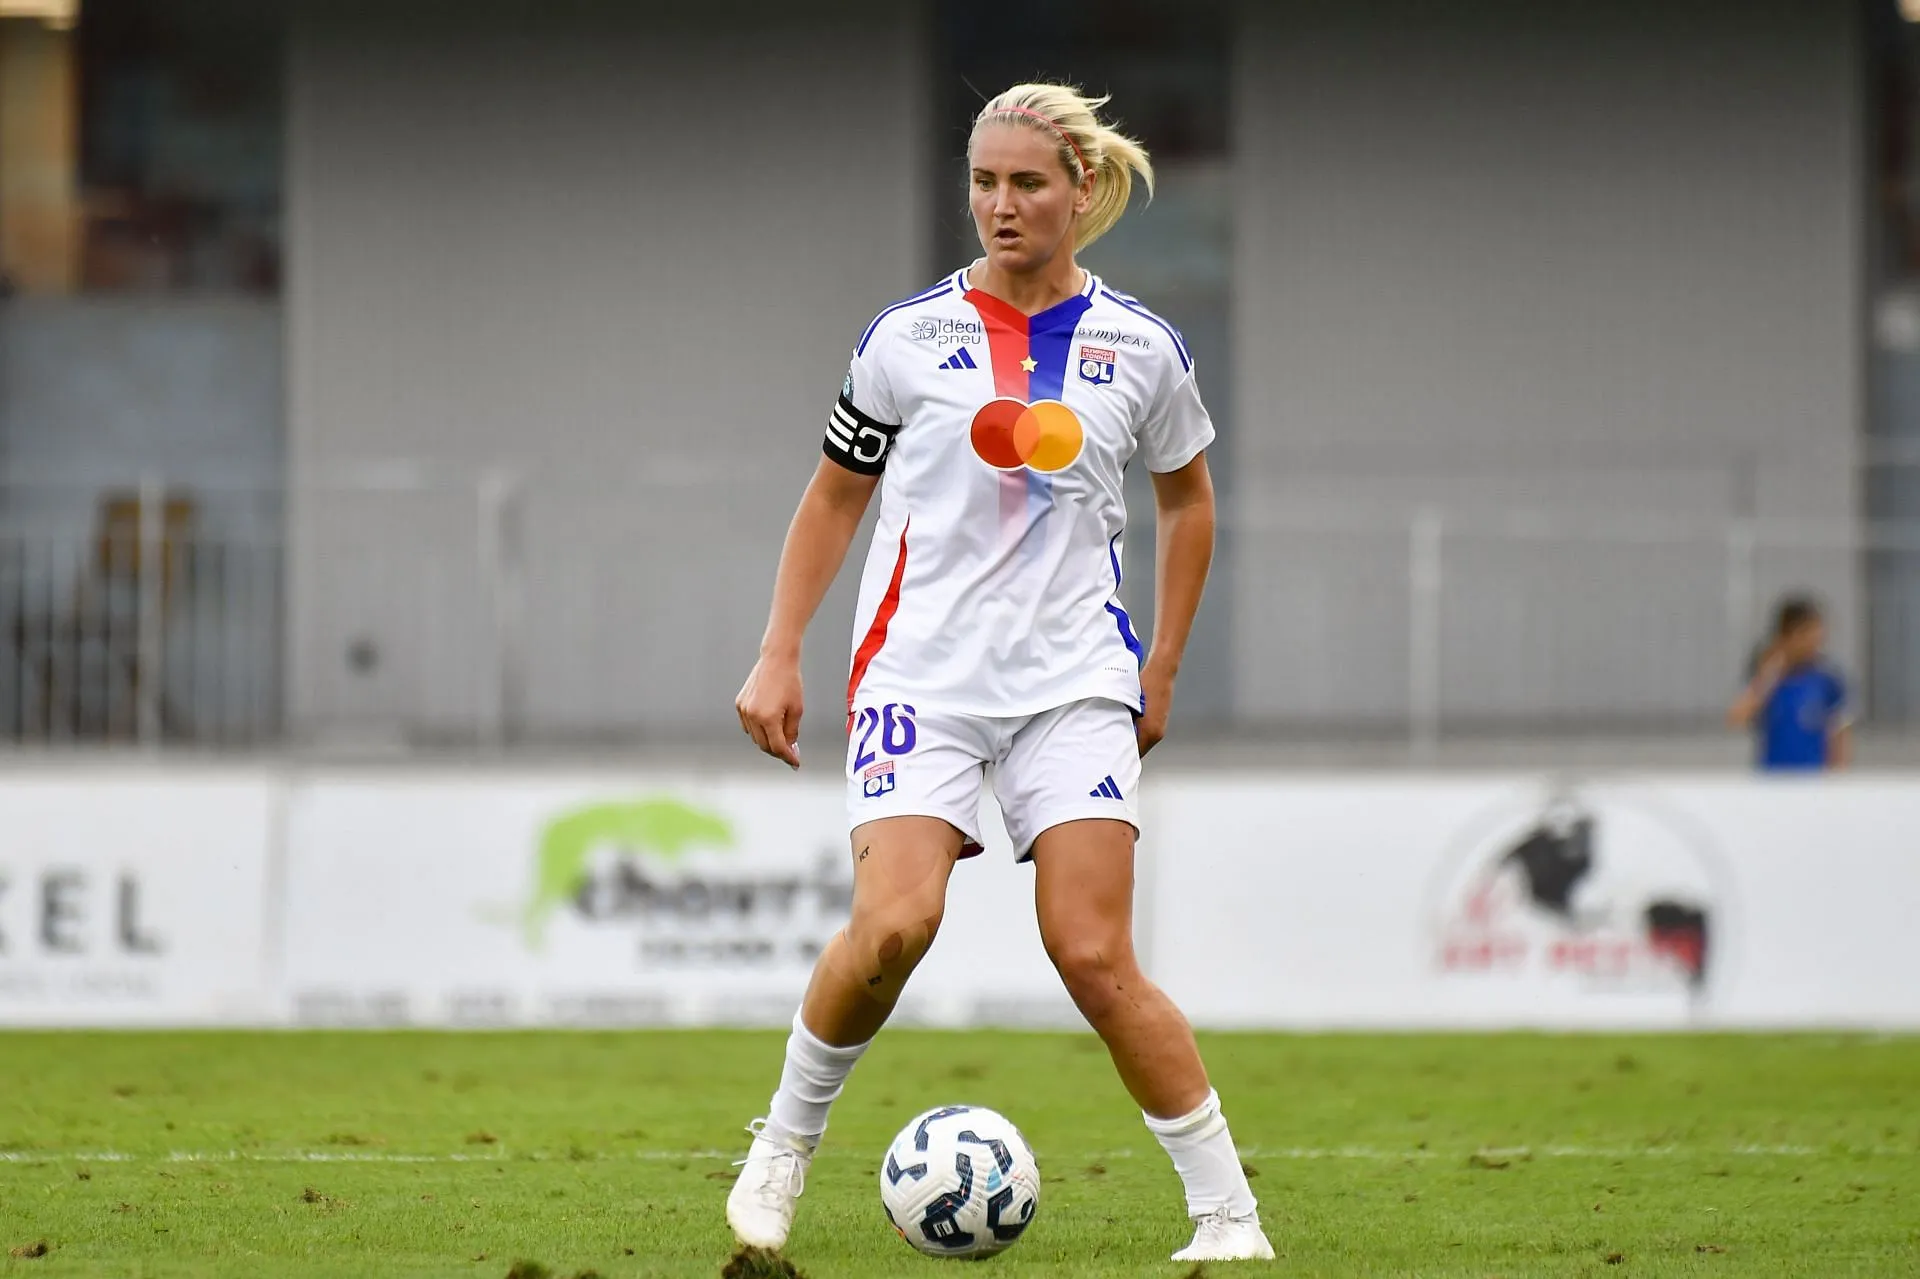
1583, 260
620, 257
97, 392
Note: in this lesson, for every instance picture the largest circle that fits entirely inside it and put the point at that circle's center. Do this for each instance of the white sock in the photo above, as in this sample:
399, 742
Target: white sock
813, 1076
1203, 1154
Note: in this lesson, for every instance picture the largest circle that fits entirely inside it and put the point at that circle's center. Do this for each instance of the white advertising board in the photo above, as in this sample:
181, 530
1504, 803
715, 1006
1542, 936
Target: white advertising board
617, 899
134, 898
172, 896
1512, 901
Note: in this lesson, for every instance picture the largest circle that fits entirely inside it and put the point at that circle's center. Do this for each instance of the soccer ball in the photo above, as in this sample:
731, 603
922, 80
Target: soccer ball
960, 1181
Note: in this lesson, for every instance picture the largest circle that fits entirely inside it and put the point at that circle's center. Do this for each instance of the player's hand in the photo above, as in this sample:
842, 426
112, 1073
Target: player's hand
1157, 688
770, 704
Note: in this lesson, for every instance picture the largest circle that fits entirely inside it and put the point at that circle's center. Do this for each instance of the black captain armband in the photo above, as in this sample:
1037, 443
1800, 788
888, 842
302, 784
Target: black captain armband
856, 441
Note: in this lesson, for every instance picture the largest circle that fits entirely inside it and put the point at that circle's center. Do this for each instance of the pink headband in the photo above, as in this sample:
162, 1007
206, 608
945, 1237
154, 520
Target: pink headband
1084, 166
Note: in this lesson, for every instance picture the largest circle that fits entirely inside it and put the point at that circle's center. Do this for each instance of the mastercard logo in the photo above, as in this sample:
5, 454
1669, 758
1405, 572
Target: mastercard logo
1009, 434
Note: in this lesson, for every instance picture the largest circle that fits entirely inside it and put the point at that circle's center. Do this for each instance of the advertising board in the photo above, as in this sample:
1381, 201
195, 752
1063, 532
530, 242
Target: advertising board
617, 899
1518, 901
136, 898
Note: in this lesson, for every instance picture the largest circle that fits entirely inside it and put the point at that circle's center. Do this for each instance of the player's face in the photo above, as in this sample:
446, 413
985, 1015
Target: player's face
1804, 642
1024, 202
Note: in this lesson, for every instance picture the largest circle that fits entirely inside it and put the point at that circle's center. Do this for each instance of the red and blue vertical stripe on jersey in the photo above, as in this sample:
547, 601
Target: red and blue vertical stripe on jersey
1029, 356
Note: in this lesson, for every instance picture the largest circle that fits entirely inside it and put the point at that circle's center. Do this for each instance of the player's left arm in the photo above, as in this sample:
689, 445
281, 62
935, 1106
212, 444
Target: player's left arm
1840, 745
1183, 553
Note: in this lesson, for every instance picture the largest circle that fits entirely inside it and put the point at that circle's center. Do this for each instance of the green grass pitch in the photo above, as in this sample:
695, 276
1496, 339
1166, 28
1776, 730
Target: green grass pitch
304, 1154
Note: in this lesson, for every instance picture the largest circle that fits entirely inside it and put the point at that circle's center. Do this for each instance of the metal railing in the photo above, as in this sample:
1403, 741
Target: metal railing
122, 620
1430, 622
500, 613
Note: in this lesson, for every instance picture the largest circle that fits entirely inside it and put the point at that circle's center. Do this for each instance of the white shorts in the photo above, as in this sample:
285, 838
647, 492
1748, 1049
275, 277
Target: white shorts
1075, 761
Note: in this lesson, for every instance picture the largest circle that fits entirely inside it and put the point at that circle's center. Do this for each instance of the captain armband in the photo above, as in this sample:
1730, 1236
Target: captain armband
856, 441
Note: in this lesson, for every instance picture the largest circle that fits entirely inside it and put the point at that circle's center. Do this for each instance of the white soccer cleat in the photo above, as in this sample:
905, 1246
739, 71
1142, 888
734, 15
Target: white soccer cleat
772, 1177
1220, 1236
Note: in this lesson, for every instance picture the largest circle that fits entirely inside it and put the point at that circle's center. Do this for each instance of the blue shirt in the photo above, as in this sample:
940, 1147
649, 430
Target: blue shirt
1795, 724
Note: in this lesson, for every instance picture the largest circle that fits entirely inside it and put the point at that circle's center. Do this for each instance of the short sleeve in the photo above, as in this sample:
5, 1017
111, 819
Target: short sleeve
1178, 426
863, 422
1836, 690
867, 389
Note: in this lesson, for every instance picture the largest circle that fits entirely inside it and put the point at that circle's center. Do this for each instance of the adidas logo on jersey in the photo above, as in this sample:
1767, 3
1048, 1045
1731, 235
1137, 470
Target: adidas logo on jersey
1106, 790
961, 359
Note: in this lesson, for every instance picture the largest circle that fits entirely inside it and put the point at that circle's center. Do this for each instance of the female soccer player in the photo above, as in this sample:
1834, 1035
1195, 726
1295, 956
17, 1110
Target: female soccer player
997, 413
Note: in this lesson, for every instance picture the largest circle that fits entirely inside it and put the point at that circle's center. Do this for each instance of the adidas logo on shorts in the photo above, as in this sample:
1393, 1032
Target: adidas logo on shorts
1106, 790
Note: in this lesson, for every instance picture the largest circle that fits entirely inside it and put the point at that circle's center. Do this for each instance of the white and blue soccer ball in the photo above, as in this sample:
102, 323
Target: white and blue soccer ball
960, 1181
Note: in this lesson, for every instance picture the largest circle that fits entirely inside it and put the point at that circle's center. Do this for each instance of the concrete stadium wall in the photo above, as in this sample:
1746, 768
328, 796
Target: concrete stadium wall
1583, 260
103, 391
619, 252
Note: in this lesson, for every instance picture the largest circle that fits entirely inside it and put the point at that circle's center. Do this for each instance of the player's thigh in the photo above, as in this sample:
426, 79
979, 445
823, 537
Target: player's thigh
1083, 891
903, 861
1074, 763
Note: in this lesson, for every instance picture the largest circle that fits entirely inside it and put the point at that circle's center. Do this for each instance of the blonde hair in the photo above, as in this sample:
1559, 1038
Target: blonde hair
1085, 144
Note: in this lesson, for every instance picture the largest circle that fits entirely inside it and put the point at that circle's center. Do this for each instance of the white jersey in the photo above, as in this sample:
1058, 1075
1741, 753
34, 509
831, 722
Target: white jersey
993, 583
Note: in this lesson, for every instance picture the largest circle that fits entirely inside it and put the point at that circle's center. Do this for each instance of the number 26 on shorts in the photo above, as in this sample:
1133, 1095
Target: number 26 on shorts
893, 723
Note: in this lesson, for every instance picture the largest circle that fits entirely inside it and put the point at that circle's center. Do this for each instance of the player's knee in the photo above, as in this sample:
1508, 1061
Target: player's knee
1095, 973
888, 942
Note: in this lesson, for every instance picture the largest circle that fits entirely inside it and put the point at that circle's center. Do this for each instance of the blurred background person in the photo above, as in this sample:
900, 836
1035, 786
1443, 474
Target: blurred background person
1795, 701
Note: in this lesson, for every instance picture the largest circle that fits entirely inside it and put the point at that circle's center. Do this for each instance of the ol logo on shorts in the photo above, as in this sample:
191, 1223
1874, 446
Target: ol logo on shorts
1010, 434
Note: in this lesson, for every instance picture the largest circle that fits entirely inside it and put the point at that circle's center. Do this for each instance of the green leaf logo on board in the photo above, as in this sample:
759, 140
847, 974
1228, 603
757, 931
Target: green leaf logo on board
662, 828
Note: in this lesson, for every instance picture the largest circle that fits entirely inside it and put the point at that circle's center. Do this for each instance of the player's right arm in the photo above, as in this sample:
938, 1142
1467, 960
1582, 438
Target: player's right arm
859, 436
770, 703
